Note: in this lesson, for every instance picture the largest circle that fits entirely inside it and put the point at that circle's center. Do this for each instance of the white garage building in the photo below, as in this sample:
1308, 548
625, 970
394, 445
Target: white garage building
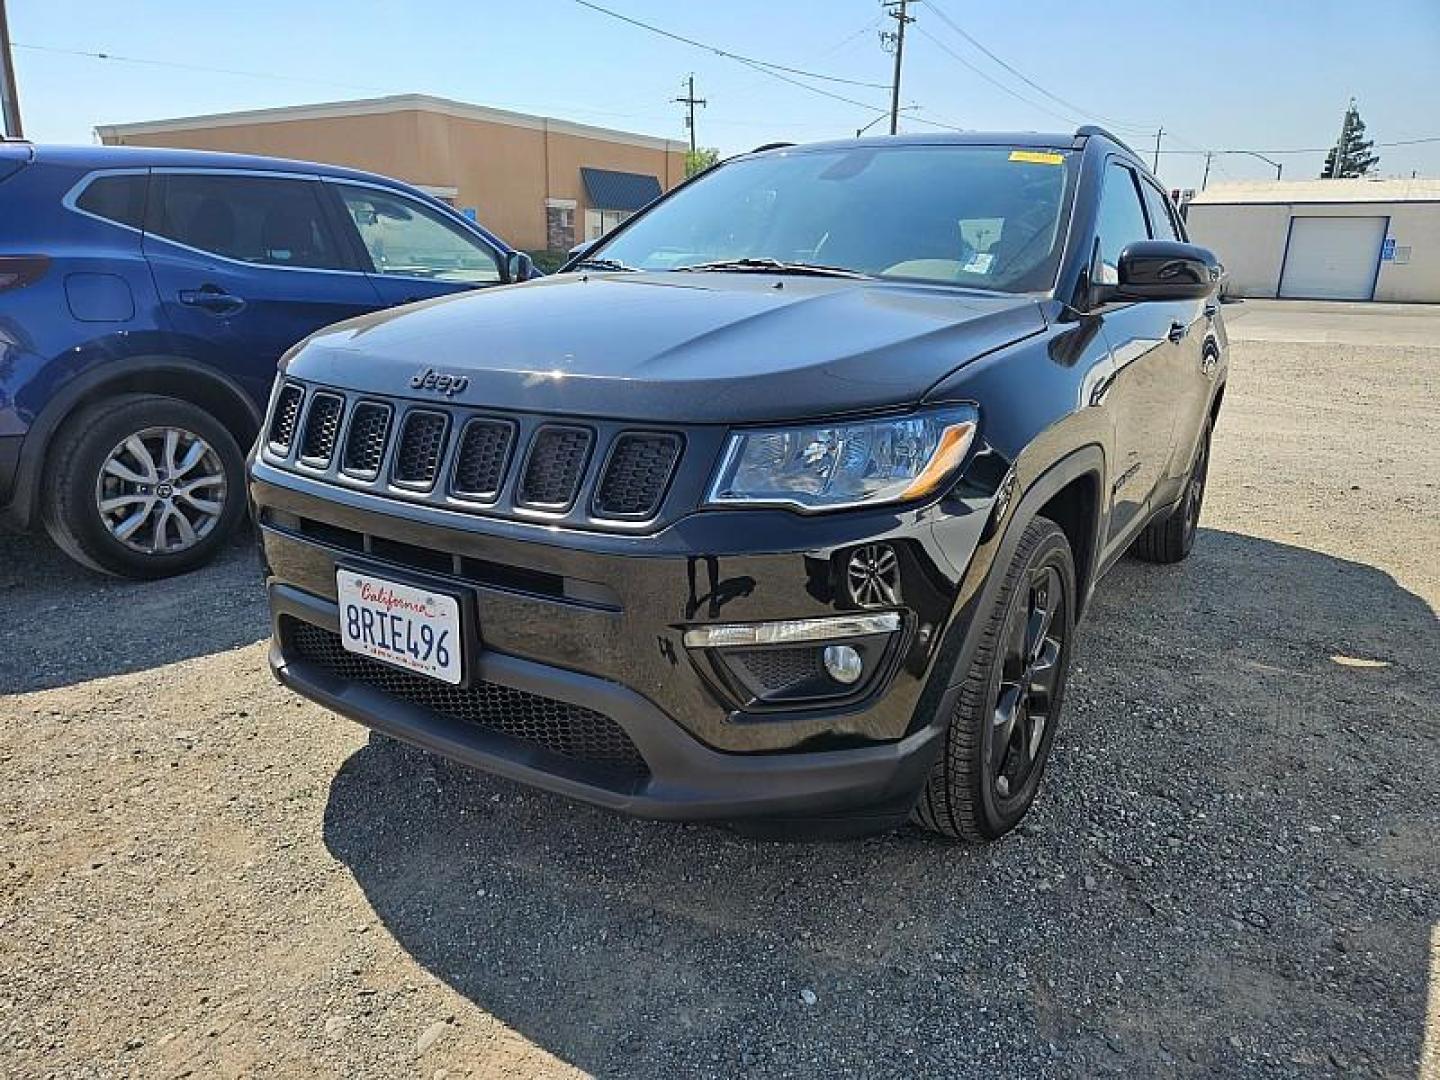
1324, 239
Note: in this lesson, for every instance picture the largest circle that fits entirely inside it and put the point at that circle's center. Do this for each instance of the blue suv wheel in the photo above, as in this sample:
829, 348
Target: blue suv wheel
144, 486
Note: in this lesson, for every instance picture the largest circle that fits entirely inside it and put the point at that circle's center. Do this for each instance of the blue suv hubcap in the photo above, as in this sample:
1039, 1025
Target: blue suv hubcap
161, 491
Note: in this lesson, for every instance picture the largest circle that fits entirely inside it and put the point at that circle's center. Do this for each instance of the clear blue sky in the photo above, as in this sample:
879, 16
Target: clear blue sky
1229, 73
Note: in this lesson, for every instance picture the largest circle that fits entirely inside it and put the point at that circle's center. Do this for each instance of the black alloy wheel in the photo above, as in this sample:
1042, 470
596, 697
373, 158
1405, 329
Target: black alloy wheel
1025, 698
1009, 696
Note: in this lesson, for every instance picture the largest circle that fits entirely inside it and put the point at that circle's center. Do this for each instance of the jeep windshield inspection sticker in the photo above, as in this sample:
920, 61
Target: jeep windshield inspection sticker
415, 629
1038, 157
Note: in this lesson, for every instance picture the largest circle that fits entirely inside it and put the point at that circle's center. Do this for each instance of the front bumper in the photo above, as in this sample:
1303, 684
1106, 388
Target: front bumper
597, 622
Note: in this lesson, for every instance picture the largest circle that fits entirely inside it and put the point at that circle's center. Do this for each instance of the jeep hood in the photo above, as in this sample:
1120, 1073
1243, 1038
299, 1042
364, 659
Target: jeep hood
674, 347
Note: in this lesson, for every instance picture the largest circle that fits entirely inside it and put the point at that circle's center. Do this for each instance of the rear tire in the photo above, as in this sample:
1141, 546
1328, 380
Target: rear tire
143, 486
1000, 733
1169, 539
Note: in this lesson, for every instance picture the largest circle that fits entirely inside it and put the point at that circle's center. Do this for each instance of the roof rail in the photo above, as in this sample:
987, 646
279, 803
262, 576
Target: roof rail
771, 146
1087, 131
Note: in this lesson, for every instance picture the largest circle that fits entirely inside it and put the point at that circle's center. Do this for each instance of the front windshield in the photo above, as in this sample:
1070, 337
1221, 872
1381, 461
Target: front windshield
987, 217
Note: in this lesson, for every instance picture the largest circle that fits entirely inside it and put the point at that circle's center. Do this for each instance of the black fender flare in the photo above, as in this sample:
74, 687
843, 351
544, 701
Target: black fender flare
89, 385
980, 585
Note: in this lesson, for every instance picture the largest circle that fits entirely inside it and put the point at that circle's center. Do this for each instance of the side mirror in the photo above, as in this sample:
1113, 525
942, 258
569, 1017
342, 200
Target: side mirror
581, 249
1166, 270
519, 266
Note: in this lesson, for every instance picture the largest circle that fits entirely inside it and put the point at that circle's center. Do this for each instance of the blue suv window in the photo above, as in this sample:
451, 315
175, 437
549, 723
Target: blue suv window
119, 198
405, 238
263, 220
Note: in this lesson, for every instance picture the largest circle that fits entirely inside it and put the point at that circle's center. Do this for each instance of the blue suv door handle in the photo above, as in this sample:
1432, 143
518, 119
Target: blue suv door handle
213, 299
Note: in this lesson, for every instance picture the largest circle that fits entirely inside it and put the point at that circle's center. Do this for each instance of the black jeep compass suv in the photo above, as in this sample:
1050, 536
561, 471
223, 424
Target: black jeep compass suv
779, 505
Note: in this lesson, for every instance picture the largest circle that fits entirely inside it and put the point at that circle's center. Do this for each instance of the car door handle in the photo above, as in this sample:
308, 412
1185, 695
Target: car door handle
213, 299
1178, 330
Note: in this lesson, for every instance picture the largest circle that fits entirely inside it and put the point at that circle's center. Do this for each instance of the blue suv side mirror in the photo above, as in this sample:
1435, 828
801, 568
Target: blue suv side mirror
519, 267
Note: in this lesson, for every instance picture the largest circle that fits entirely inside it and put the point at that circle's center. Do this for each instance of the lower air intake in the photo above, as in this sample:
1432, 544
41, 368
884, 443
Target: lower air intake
568, 731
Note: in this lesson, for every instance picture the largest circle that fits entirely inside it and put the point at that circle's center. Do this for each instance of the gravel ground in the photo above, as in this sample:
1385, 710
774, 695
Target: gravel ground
1232, 869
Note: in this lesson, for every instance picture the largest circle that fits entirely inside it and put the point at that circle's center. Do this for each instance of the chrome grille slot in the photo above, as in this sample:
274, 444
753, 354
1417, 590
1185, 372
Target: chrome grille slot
554, 467
287, 413
322, 425
482, 459
419, 449
365, 440
636, 475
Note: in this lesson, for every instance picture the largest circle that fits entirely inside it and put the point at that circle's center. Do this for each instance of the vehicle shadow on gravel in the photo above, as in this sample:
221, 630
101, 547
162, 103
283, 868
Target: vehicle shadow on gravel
68, 625
1227, 871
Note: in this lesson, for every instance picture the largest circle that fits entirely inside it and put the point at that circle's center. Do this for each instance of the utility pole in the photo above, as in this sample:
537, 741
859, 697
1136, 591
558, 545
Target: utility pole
690, 101
1156, 167
9, 99
896, 10
1206, 178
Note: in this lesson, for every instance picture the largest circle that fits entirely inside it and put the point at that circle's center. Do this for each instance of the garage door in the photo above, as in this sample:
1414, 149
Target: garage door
1332, 258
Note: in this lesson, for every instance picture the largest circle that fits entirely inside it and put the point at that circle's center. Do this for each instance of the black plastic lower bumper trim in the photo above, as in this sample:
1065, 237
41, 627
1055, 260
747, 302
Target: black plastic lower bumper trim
687, 779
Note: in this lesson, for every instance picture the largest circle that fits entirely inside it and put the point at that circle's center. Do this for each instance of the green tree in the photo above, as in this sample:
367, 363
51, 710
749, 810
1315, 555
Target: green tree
697, 161
1353, 148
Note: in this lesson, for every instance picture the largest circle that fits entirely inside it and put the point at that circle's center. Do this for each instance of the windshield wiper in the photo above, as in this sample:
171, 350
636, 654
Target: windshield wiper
773, 266
605, 264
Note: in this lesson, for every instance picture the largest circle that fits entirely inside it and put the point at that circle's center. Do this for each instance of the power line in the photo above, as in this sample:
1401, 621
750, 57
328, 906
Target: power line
1025, 78
752, 61
1308, 149
193, 67
943, 47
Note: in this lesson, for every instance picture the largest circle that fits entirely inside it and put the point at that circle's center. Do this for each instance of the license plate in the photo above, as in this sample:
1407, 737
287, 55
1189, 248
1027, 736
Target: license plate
415, 629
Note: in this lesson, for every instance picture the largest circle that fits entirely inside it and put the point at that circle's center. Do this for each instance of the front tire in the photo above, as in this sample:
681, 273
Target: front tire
1000, 733
143, 486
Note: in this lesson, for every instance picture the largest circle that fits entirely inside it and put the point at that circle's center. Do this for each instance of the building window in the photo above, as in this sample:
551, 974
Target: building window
600, 222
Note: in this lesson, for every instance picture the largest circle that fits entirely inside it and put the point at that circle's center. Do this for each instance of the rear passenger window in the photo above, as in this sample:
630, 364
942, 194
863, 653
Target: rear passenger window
1162, 219
255, 219
120, 199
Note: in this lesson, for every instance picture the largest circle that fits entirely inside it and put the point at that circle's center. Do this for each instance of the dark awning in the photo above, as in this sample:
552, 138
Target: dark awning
619, 190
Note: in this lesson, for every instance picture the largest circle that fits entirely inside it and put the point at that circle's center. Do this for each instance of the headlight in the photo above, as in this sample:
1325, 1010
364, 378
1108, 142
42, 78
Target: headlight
832, 466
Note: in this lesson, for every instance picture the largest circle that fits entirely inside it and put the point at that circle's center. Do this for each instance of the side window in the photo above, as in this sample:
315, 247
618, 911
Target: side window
120, 199
406, 238
1162, 217
1121, 221
263, 220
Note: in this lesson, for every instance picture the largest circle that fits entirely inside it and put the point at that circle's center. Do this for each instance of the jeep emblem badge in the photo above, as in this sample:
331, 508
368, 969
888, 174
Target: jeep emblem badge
430, 379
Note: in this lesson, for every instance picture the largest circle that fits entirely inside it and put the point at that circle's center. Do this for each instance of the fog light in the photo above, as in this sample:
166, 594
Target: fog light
843, 663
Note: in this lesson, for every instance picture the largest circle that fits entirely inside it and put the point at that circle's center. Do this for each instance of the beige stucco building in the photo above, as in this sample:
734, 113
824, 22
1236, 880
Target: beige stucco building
1324, 239
537, 181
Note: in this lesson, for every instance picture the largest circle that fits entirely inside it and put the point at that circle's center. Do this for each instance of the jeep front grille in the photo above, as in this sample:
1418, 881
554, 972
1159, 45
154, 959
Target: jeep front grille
287, 412
422, 442
553, 467
322, 425
365, 441
481, 460
636, 475
598, 474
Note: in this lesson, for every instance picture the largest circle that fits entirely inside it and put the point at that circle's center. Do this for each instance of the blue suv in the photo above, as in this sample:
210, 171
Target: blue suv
146, 297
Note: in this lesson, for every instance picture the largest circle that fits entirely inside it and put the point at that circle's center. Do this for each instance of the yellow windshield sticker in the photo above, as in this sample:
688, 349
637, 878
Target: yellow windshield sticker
1038, 157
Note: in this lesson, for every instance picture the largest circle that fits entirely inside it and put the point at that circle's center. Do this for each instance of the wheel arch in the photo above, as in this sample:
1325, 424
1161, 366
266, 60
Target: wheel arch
1070, 490
168, 376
